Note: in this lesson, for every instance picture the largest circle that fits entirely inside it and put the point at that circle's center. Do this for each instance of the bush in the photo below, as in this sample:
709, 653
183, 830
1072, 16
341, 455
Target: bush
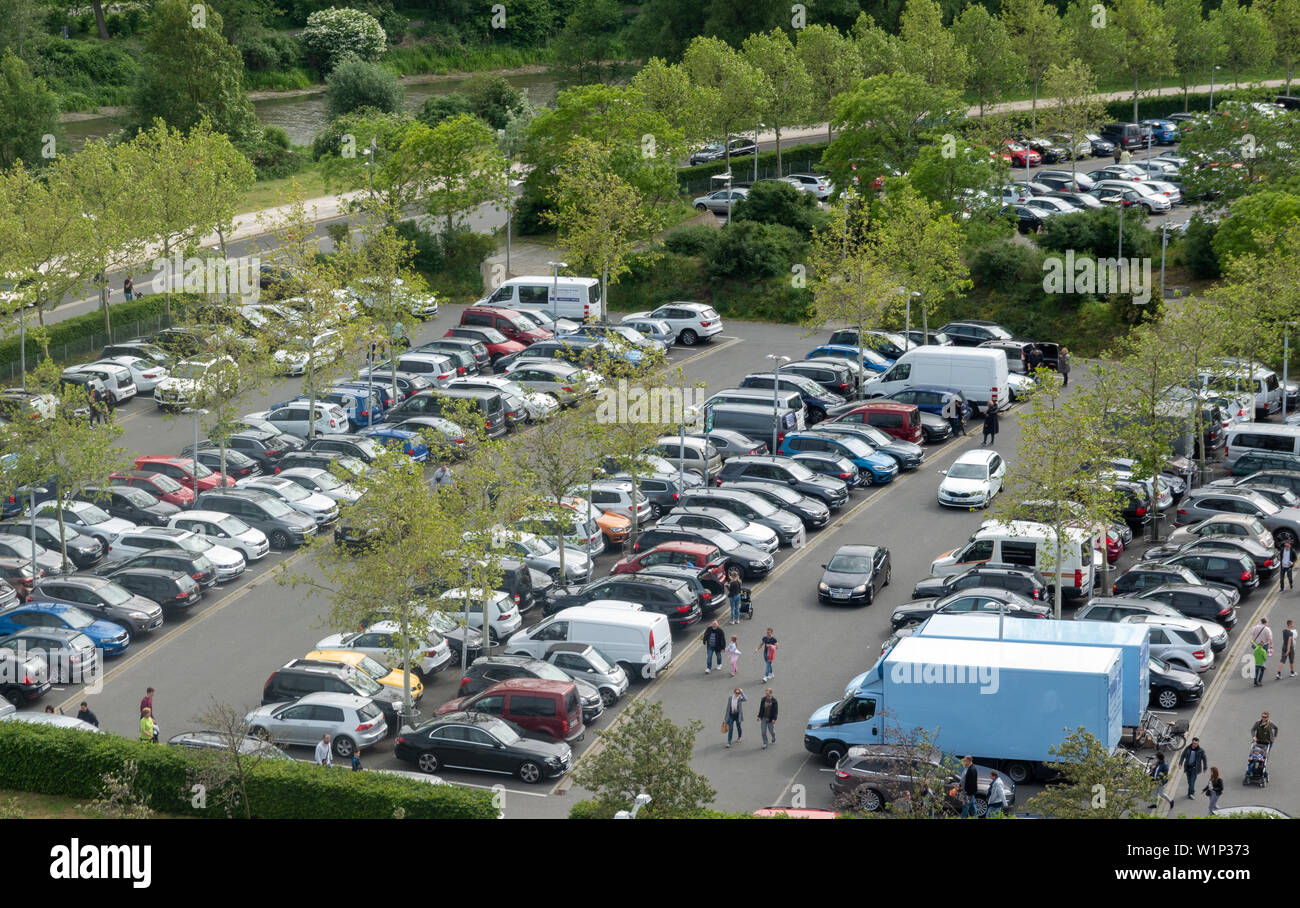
355, 84
443, 107
528, 213
698, 239
1014, 268
267, 50
338, 34
749, 249
1096, 232
75, 332
71, 763
274, 156
103, 73
492, 98
450, 261
1198, 248
774, 202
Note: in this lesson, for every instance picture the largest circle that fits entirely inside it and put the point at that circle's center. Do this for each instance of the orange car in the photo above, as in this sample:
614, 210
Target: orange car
615, 527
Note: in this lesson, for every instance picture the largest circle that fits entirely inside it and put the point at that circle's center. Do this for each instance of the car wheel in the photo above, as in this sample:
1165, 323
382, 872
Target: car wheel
868, 799
608, 697
981, 806
688, 338
344, 746
279, 539
15, 697
656, 512
701, 207
871, 593
1018, 772
867, 479
530, 772
260, 733
833, 752
427, 762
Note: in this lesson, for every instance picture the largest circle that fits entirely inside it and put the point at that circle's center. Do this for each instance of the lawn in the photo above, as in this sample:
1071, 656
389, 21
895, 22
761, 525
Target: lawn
270, 193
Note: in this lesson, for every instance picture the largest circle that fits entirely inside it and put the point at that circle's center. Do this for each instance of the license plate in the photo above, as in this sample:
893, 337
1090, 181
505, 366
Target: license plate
839, 594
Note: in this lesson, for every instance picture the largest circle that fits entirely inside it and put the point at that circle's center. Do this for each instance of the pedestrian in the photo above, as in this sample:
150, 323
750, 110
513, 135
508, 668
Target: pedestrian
715, 641
1288, 648
952, 412
1125, 157
1264, 732
1160, 769
733, 653
990, 426
148, 727
1288, 562
1261, 641
1063, 366
1033, 359
734, 592
734, 715
767, 717
146, 702
128, 288
768, 645
442, 477
97, 414
356, 760
49, 709
85, 715
324, 753
1214, 789
1261, 662
1194, 762
1117, 153
997, 797
970, 787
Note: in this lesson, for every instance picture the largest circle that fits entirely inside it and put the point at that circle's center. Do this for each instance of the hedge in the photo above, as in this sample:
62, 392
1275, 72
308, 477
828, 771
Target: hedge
72, 763
794, 159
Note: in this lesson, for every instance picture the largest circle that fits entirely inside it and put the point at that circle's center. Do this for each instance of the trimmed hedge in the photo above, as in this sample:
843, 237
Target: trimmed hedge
71, 763
794, 159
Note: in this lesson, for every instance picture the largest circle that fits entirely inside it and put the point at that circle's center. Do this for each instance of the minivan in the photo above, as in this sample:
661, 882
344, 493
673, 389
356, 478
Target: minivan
1232, 378
577, 298
782, 400
548, 710
756, 420
1126, 135
1254, 436
1027, 544
444, 402
695, 454
902, 421
640, 641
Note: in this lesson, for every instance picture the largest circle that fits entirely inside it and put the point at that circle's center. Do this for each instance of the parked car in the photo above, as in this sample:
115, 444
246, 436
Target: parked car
69, 655
717, 151
1172, 686
173, 590
973, 480
352, 722
1146, 575
875, 776
666, 596
1207, 603
86, 519
973, 600
481, 743
162, 487
382, 641
225, 531
102, 597
1211, 501
112, 638
490, 670
692, 322
83, 551
1026, 581
1179, 641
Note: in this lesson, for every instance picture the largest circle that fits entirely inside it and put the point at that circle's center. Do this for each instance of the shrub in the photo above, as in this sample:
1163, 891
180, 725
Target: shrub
337, 34
450, 261
356, 84
275, 157
528, 213
698, 239
749, 249
443, 107
492, 98
774, 202
1198, 248
1096, 232
1009, 266
267, 50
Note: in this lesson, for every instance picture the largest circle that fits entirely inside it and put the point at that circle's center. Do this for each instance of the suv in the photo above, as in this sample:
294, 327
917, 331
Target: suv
815, 397
664, 595
753, 563
69, 655
1254, 461
1110, 608
549, 710
1148, 574
878, 774
898, 419
104, 598
787, 525
301, 677
1204, 602
508, 321
836, 377
784, 471
1211, 501
23, 676
1023, 580
814, 514
282, 525
1181, 642
489, 670
1126, 135
583, 662
974, 332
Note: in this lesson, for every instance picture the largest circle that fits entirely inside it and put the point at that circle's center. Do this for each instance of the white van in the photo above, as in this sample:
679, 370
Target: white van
763, 397
1030, 545
640, 641
1261, 436
577, 298
1233, 377
978, 372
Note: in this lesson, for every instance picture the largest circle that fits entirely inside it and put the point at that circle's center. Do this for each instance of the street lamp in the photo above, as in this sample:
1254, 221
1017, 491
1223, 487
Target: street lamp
907, 329
1286, 356
760, 126
196, 412
370, 165
555, 287
1164, 242
776, 387
641, 800
501, 138
1213, 70
689, 414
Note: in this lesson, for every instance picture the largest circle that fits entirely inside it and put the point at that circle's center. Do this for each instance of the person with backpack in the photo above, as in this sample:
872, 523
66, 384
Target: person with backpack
1194, 763
715, 643
768, 645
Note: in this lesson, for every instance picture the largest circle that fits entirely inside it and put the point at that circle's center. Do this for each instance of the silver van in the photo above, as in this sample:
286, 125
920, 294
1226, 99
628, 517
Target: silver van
1235, 377
695, 454
1259, 436
757, 420
787, 400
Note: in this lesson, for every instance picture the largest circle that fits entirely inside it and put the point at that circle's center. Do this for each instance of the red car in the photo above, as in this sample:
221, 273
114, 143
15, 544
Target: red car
159, 485
184, 470
1114, 548
692, 554
508, 321
1017, 153
498, 345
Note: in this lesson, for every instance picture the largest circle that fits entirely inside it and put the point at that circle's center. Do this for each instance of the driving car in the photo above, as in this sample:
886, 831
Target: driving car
973, 480
854, 575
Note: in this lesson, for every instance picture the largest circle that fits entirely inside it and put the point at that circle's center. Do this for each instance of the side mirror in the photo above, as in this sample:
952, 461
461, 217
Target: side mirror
823, 567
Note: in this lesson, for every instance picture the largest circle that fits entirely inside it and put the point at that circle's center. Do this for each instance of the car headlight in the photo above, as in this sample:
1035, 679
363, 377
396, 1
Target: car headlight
138, 616
822, 587
860, 589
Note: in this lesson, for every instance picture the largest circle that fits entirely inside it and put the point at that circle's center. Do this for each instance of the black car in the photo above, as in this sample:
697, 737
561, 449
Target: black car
832, 466
665, 595
300, 677
182, 342
1225, 566
517, 583
1171, 686
907, 455
1023, 580
753, 563
785, 471
1028, 220
481, 743
262, 445
708, 590
974, 332
141, 348
718, 152
977, 600
1209, 603
490, 670
1252, 462
1148, 574
198, 566
408, 383
812, 512
83, 551
175, 591
238, 464
451, 628
132, 504
834, 377
661, 491
854, 574
333, 461
1265, 559
1135, 506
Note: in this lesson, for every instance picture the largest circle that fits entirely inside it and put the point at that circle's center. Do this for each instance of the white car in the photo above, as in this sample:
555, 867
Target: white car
1167, 189
178, 389
320, 508
322, 482
145, 373
87, 519
746, 531
537, 405
228, 562
1049, 205
1020, 385
291, 418
973, 479
818, 184
226, 530
1147, 196
503, 615
653, 328
690, 322
383, 641
352, 722
117, 378
299, 353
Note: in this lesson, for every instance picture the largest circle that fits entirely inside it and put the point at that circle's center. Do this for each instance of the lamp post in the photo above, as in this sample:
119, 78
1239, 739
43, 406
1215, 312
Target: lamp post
641, 800
501, 137
1123, 203
1164, 242
194, 457
776, 387
370, 165
689, 414
756, 129
555, 287
1286, 356
907, 323
1213, 70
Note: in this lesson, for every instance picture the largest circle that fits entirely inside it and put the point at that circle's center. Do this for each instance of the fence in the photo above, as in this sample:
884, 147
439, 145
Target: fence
88, 346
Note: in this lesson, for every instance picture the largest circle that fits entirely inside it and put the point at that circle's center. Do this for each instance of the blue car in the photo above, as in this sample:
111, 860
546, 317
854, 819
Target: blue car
410, 443
363, 407
112, 638
931, 399
872, 359
1165, 132
881, 468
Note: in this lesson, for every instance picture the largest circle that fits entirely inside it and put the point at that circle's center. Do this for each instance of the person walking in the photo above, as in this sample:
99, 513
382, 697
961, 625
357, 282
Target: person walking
1264, 732
148, 727
146, 702
952, 412
1288, 648
715, 642
1063, 366
1214, 788
85, 715
997, 799
734, 715
128, 288
767, 717
324, 753
356, 760
1288, 562
990, 426
768, 645
442, 477
734, 591
1194, 763
1125, 157
1117, 153
733, 653
98, 410
1261, 641
970, 787
1160, 769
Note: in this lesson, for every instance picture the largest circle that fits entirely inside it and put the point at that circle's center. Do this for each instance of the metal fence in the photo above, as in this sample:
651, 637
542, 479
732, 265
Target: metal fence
742, 171
88, 347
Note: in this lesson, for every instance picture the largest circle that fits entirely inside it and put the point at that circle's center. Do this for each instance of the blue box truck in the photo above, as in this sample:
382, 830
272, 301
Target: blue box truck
1006, 704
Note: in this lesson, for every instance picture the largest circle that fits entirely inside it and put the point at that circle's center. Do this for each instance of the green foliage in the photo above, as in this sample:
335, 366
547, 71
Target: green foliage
753, 249
1096, 231
72, 763
1097, 785
801, 158
1254, 224
354, 84
695, 240
266, 50
1197, 248
76, 331
275, 157
338, 34
780, 203
28, 112
492, 98
449, 261
99, 73
443, 107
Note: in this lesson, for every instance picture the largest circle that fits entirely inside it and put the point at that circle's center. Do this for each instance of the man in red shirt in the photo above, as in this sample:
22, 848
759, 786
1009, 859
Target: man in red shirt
146, 702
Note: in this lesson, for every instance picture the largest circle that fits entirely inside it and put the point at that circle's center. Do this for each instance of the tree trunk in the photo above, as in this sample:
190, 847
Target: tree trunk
559, 541
100, 21
779, 172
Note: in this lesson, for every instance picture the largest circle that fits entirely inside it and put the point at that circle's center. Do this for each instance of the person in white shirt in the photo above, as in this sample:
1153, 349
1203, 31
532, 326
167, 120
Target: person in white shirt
1288, 561
441, 477
324, 753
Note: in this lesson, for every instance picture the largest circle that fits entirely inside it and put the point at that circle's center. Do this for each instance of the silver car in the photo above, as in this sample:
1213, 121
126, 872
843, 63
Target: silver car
721, 202
541, 554
654, 328
565, 382
353, 723
323, 482
615, 496
1213, 501
583, 662
21, 547
705, 518
382, 641
321, 508
227, 561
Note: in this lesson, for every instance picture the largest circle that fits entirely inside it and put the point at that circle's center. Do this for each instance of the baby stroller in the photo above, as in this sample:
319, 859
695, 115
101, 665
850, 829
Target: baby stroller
1257, 766
746, 604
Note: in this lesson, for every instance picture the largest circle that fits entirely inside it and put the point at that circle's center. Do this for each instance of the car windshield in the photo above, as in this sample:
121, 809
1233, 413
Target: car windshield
352, 465
75, 617
195, 544
91, 514
363, 684
1159, 665
968, 471
328, 481
113, 594
232, 525
164, 482
850, 564
723, 542
548, 672
855, 446
22, 545
200, 470
275, 507
192, 371
799, 471
373, 667
371, 447
291, 490
534, 546
504, 733
1266, 506
599, 661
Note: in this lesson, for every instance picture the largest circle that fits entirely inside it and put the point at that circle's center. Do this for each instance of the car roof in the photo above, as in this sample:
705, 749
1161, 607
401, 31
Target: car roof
984, 458
528, 685
857, 549
329, 698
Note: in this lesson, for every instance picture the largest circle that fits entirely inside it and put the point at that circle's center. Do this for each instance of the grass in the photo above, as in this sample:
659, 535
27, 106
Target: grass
270, 193
420, 59
31, 805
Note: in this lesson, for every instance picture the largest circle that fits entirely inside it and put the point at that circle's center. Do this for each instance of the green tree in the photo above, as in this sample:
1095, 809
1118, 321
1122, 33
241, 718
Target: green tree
924, 246
930, 50
456, 166
731, 90
444, 107
588, 46
645, 751
1197, 42
20, 22
354, 84
1250, 150
1035, 31
880, 53
1256, 224
1097, 784
1076, 109
1146, 43
960, 178
189, 73
663, 28
1283, 17
44, 231
666, 90
790, 99
1247, 37
832, 65
29, 115
983, 38
1085, 34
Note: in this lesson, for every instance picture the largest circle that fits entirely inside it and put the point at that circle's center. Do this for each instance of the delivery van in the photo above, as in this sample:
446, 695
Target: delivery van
640, 641
980, 373
1031, 545
577, 298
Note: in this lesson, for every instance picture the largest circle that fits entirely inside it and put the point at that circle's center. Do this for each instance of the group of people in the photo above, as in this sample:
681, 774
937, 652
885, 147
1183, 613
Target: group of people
1261, 642
1194, 761
325, 754
715, 644
996, 798
148, 725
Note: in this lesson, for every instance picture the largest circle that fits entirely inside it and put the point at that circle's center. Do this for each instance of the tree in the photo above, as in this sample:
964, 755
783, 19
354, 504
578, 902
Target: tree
646, 752
1077, 108
1244, 148
43, 230
345, 159
492, 98
731, 90
983, 38
190, 73
1256, 224
880, 53
1097, 784
120, 796
1196, 41
924, 246
667, 91
928, 771
663, 28
355, 84
790, 98
1145, 43
1198, 336
443, 107
1283, 17
832, 66
588, 43
1035, 32
1085, 34
223, 772
20, 22
338, 34
29, 114
1247, 37
930, 50
456, 166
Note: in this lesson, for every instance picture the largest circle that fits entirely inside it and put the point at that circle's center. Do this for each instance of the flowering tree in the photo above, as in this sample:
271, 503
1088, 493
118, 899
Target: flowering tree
338, 34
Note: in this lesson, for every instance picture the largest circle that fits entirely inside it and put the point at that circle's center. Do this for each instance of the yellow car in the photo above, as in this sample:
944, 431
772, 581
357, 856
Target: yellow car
389, 677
